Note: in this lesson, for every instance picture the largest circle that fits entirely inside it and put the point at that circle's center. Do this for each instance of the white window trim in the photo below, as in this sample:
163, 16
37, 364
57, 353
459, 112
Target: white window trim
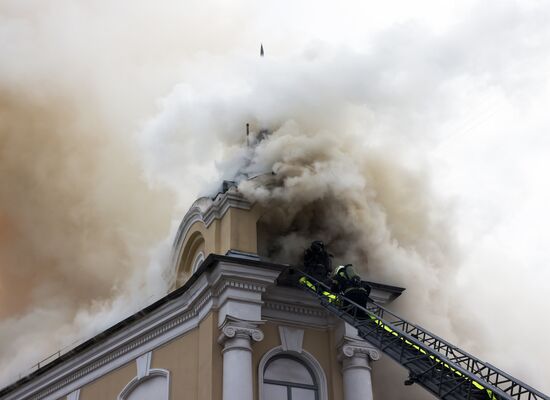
74, 395
304, 356
144, 373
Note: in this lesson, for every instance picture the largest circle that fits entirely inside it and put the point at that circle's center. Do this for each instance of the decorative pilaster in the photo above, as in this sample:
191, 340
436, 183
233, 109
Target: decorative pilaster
356, 357
236, 337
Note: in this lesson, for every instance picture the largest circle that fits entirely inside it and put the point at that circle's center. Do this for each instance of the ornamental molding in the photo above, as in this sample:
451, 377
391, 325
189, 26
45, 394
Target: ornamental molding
135, 382
306, 357
222, 203
292, 306
206, 210
237, 328
170, 321
119, 354
357, 349
74, 395
239, 284
231, 331
296, 309
145, 372
292, 338
143, 364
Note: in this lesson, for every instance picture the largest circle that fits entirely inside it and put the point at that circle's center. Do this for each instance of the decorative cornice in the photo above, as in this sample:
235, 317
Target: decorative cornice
239, 284
173, 320
119, 352
219, 207
296, 309
206, 210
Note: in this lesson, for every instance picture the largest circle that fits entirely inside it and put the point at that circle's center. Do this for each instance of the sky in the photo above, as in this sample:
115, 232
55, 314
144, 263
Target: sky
115, 116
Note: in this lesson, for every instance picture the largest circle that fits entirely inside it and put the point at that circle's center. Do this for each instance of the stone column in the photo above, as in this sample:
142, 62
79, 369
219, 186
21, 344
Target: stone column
236, 338
356, 370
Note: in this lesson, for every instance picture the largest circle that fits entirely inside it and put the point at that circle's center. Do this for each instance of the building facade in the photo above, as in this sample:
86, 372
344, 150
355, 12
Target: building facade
227, 330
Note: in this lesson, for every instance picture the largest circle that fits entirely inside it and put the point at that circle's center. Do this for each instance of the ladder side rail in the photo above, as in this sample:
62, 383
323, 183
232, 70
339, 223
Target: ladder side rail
404, 325
487, 371
484, 370
522, 384
427, 334
441, 359
443, 381
379, 315
428, 337
465, 362
429, 352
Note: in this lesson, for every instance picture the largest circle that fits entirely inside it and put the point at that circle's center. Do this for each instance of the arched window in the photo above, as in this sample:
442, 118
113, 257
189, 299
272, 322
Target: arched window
288, 378
154, 386
150, 383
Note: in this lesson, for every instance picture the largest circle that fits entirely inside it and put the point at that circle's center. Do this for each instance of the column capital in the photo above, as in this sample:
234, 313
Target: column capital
355, 356
236, 336
352, 348
233, 328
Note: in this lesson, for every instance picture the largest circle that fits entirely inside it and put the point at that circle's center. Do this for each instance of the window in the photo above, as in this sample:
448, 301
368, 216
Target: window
149, 383
154, 387
288, 378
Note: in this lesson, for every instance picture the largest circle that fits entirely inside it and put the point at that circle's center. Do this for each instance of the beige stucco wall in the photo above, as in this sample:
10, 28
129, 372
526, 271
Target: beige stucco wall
110, 385
236, 230
194, 361
196, 365
318, 342
180, 357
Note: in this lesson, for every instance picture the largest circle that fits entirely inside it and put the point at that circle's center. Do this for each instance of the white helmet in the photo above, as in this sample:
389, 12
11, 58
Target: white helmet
338, 269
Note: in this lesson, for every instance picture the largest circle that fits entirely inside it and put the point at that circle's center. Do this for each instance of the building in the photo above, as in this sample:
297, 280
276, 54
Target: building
226, 331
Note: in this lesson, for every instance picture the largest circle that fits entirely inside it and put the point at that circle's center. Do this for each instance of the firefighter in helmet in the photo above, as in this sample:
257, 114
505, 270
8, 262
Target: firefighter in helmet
317, 261
346, 281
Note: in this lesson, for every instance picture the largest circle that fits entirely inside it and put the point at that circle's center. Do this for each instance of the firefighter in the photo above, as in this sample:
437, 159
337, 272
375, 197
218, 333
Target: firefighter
346, 281
317, 261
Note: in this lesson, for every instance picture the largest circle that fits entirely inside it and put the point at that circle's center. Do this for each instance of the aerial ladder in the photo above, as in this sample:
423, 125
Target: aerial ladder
433, 363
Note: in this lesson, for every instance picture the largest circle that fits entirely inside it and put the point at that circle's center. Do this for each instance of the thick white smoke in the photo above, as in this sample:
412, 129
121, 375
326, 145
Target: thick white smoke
389, 138
354, 137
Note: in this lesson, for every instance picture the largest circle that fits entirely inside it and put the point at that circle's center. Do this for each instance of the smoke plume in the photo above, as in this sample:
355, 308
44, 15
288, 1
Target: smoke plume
357, 139
343, 148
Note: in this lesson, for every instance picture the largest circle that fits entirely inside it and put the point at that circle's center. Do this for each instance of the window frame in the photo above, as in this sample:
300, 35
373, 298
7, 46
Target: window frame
136, 381
304, 358
145, 373
289, 385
